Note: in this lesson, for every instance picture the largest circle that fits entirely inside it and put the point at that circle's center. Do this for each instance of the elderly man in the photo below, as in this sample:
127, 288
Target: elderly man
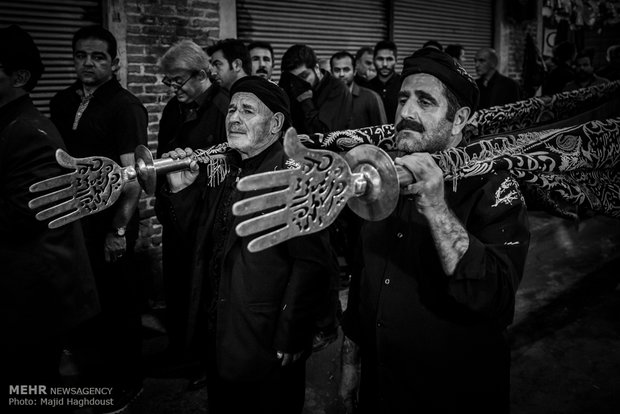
256, 310
47, 284
495, 88
195, 118
437, 279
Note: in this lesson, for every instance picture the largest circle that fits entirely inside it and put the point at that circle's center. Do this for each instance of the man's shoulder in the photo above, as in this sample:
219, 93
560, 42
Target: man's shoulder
34, 126
67, 93
496, 188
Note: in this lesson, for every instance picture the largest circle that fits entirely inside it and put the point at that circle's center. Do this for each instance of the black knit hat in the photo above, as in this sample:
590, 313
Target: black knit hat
446, 69
268, 92
18, 51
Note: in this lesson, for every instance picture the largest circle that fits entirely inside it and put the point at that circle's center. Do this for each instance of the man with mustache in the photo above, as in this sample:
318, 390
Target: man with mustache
195, 118
436, 283
262, 59
387, 81
96, 115
257, 310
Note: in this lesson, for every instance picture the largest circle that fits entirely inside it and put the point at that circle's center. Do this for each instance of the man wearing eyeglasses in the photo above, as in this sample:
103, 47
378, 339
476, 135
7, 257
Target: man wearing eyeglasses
96, 115
195, 118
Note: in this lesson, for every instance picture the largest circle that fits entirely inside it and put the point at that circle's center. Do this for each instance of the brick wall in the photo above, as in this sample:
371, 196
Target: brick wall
152, 26
513, 39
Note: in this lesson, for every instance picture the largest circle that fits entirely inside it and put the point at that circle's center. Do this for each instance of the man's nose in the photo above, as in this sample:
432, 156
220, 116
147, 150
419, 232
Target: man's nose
409, 110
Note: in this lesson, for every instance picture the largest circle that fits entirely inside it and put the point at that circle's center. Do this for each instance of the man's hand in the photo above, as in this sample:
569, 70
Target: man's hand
180, 180
114, 247
428, 188
287, 358
295, 86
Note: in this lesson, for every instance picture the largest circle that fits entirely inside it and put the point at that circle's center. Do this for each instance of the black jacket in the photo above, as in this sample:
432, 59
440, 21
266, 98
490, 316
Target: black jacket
47, 284
266, 301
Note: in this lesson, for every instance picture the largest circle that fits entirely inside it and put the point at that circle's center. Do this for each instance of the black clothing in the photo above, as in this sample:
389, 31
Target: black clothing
197, 126
432, 342
389, 94
499, 90
328, 110
47, 284
113, 123
264, 301
557, 79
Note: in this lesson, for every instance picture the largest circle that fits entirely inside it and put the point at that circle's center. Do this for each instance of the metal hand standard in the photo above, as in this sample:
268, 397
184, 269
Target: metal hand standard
308, 199
96, 183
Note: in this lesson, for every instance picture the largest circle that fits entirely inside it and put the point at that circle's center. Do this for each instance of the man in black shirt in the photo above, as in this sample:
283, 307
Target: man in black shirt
193, 118
257, 309
436, 280
387, 81
319, 102
96, 115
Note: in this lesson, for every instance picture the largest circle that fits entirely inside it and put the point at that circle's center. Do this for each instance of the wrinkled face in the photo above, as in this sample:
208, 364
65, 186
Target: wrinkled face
365, 66
224, 73
248, 124
307, 74
343, 70
187, 85
385, 62
421, 122
583, 68
483, 63
93, 64
262, 62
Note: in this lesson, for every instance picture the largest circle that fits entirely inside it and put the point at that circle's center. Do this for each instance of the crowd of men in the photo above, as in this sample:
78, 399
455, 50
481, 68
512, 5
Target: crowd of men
432, 286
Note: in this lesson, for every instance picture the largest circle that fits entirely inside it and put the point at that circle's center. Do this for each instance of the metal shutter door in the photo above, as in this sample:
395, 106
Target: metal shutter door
52, 24
326, 26
466, 22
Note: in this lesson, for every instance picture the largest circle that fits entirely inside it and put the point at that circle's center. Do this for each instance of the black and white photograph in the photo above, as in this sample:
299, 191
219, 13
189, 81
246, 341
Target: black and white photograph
310, 206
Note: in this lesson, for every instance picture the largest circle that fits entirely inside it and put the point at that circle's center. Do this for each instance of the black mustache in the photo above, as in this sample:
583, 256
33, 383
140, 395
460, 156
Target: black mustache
262, 70
410, 125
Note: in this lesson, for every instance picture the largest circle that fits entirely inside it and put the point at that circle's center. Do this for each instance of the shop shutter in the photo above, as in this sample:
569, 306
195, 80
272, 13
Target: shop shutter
326, 26
52, 24
466, 22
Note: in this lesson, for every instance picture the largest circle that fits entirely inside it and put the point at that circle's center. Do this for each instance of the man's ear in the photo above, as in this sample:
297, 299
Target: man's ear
277, 123
460, 119
237, 65
201, 75
20, 78
116, 64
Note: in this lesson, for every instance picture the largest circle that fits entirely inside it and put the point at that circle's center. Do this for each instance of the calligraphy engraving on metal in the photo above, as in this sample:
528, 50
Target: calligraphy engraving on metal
308, 199
96, 183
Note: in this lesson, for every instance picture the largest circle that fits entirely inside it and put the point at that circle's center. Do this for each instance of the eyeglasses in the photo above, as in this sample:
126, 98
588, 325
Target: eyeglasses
176, 84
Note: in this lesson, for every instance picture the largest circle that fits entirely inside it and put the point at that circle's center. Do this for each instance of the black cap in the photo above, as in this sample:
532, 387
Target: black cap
268, 92
446, 69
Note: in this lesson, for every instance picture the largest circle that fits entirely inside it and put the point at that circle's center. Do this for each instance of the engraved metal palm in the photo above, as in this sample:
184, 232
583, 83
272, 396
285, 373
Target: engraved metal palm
94, 185
306, 199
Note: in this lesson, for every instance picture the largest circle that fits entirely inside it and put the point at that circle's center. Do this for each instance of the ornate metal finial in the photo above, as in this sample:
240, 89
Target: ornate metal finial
96, 183
316, 192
